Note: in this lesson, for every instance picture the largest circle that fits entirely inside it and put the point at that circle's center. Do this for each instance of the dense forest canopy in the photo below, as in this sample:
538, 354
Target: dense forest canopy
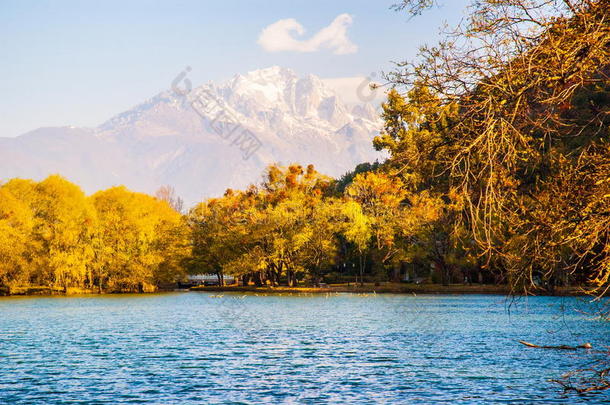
513, 108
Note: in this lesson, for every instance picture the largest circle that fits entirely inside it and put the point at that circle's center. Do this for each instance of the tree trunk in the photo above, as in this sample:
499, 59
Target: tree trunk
361, 264
257, 279
292, 278
317, 278
444, 270
396, 273
289, 278
271, 275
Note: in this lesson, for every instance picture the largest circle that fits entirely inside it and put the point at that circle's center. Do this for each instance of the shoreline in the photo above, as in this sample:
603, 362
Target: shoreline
389, 288
367, 288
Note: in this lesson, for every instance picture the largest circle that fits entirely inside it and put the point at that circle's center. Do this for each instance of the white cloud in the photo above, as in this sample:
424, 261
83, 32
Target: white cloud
279, 36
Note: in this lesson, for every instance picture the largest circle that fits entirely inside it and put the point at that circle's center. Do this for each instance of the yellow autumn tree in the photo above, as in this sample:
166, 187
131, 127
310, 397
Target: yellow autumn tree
16, 221
141, 241
64, 225
381, 198
219, 239
286, 227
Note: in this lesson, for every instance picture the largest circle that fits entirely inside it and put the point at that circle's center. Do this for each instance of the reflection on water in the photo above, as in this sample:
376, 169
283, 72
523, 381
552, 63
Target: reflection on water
207, 348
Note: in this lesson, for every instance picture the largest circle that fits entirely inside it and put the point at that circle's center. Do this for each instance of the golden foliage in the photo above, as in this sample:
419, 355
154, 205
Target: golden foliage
51, 234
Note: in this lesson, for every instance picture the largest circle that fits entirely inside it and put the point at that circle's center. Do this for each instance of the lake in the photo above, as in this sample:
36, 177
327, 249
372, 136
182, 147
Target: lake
196, 347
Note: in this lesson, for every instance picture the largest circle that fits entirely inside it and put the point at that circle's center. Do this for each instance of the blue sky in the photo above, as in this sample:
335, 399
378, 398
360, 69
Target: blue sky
81, 62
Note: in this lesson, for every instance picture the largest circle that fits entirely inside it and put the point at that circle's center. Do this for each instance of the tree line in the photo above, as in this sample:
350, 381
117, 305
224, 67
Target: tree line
298, 225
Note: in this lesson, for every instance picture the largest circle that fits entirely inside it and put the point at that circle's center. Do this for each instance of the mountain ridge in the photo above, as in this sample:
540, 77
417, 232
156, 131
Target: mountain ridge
195, 141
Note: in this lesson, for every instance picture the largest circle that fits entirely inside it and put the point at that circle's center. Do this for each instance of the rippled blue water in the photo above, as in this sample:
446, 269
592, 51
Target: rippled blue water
200, 348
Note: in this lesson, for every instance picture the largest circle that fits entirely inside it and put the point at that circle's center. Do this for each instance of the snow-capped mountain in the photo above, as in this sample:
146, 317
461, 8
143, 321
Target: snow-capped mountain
204, 140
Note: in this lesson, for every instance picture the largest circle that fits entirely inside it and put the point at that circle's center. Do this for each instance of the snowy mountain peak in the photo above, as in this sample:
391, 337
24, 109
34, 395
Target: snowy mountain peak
280, 89
271, 74
190, 141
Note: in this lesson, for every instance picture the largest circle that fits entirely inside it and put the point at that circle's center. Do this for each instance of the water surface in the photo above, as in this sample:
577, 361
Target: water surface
204, 348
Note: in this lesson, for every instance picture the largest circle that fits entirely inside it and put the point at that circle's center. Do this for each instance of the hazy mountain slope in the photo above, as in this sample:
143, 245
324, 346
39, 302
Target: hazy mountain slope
193, 142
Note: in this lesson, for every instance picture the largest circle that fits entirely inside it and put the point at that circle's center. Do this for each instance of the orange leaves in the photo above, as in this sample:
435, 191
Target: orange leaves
377, 191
